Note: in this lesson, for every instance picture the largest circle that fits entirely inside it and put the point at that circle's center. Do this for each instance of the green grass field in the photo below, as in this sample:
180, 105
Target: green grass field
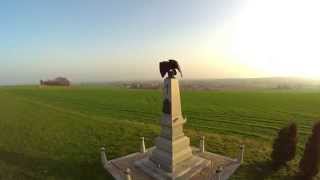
56, 133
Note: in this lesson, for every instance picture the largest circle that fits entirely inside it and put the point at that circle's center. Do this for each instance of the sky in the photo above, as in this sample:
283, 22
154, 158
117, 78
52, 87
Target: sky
101, 40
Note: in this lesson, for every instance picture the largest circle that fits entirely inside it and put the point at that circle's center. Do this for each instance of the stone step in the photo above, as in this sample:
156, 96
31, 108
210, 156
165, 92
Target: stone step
174, 146
169, 161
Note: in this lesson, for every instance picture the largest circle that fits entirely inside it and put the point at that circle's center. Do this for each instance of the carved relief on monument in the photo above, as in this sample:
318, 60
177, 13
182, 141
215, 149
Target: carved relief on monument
166, 108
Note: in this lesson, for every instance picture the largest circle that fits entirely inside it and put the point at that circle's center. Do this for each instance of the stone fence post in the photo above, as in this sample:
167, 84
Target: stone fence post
241, 153
128, 174
219, 172
202, 144
104, 159
143, 146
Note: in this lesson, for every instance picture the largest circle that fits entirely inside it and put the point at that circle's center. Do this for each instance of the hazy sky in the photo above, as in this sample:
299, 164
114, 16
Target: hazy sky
101, 40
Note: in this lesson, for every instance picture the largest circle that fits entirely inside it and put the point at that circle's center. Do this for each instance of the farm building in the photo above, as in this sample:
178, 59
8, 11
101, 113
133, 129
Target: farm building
59, 81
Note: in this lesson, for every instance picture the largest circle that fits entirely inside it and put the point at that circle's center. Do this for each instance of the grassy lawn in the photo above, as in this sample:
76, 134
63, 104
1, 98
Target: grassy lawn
56, 133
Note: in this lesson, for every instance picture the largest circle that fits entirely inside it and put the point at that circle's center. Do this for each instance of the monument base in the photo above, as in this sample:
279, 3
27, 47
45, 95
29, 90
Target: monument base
143, 169
186, 170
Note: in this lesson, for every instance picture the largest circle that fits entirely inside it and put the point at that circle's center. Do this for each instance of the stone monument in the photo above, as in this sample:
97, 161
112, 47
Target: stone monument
172, 157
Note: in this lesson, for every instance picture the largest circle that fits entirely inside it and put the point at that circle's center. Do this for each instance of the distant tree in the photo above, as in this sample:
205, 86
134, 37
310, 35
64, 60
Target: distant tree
284, 146
310, 162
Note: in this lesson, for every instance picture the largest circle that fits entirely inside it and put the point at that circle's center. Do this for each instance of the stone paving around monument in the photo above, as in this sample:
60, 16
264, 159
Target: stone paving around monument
117, 167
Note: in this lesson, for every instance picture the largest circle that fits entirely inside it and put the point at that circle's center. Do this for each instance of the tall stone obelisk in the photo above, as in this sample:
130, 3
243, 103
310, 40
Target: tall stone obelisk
172, 146
172, 155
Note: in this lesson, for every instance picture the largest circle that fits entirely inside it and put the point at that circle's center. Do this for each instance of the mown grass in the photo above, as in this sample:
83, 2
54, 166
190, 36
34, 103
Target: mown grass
56, 133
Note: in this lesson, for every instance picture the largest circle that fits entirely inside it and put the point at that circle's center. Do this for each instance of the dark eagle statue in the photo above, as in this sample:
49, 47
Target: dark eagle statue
169, 67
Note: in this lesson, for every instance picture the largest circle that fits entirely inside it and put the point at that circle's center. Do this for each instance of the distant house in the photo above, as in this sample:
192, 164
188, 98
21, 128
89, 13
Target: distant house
59, 81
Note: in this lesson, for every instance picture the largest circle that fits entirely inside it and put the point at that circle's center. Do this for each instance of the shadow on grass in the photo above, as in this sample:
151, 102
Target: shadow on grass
263, 170
259, 170
44, 168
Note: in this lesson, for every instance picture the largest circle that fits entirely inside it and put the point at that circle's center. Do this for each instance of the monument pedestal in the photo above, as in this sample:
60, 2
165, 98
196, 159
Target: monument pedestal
185, 170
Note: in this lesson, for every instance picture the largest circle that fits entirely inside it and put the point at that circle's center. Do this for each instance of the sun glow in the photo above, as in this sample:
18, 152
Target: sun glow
276, 38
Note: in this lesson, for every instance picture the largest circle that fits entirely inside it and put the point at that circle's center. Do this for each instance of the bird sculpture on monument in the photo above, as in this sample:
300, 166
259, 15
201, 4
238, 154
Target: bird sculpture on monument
169, 67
